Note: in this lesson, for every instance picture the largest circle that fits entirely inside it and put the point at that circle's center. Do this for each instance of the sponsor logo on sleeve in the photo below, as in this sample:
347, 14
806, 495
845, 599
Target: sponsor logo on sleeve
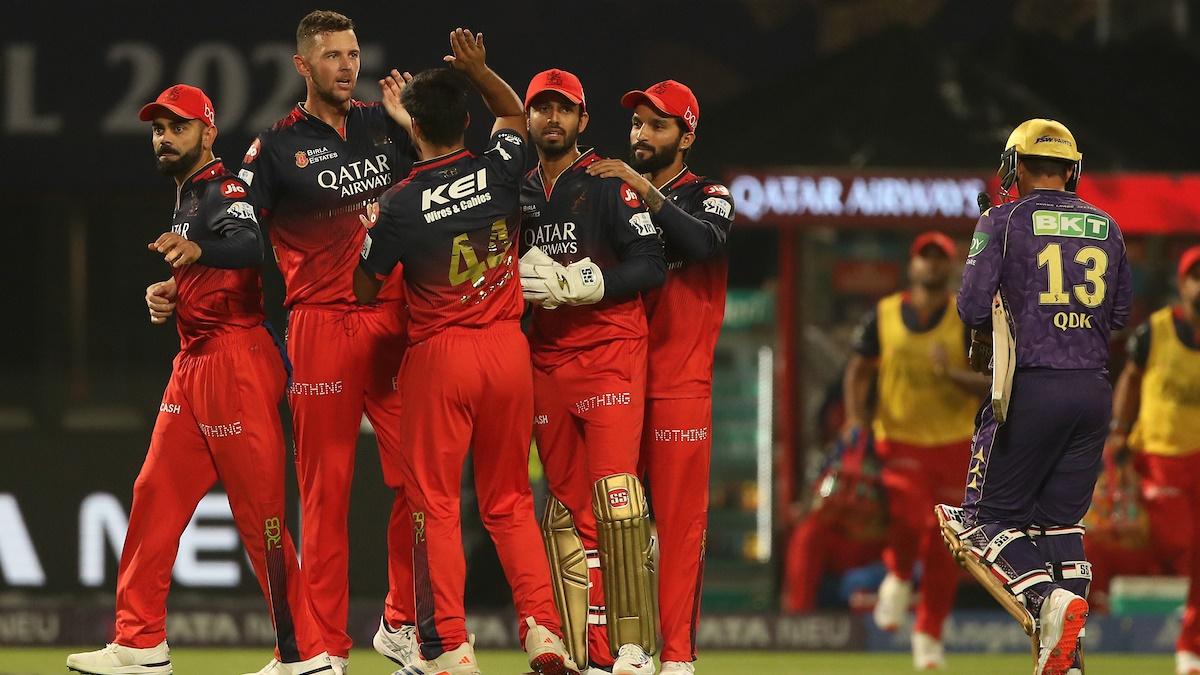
500, 149
718, 207
246, 175
241, 210
630, 197
643, 224
232, 188
509, 137
719, 190
252, 153
366, 247
978, 243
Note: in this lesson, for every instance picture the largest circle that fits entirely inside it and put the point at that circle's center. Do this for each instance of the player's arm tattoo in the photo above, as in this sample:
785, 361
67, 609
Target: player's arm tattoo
654, 199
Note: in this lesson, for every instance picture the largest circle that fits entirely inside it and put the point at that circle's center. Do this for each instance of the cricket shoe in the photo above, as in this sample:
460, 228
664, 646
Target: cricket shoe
546, 651
677, 668
341, 665
116, 659
1187, 663
458, 661
892, 605
928, 652
1062, 617
633, 660
399, 645
317, 665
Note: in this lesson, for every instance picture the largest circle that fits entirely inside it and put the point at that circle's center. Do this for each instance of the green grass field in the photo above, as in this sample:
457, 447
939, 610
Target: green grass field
236, 662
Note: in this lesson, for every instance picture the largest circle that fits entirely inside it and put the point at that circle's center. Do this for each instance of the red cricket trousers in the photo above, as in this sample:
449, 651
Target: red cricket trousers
916, 479
471, 389
1171, 489
345, 363
219, 419
816, 546
587, 419
675, 459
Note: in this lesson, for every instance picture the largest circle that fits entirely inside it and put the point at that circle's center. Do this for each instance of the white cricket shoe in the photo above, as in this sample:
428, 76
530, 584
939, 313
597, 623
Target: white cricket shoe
458, 661
317, 665
341, 665
116, 659
1062, 617
677, 668
928, 652
1187, 663
892, 605
546, 651
399, 645
633, 660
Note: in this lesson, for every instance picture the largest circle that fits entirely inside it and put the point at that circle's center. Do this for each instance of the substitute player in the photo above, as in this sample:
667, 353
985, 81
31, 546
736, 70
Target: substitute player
694, 215
590, 250
1157, 398
466, 378
218, 418
913, 348
1059, 266
311, 176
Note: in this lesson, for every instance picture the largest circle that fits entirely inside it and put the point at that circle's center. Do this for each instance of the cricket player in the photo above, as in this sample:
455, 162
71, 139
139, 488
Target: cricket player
1156, 413
591, 249
693, 215
913, 348
466, 379
219, 416
311, 176
1059, 266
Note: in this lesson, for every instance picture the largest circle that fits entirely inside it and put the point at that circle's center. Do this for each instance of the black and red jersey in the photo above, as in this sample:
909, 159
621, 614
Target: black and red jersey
451, 224
685, 314
213, 298
311, 182
583, 216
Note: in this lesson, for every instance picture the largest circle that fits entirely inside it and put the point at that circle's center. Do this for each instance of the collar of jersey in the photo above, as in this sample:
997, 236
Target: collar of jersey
205, 172
435, 162
674, 182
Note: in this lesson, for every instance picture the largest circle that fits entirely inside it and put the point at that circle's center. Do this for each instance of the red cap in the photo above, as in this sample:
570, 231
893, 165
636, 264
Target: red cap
555, 80
668, 97
182, 100
1188, 260
933, 238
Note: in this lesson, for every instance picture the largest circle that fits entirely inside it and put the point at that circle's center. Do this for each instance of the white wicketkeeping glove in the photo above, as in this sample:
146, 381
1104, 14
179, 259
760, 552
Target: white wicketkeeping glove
549, 284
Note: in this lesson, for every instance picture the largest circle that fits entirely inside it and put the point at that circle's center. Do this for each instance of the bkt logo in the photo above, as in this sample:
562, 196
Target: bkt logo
618, 498
442, 194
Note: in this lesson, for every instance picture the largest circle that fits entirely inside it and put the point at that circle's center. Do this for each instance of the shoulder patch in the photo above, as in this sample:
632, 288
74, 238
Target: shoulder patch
241, 210
252, 152
718, 207
232, 189
716, 189
630, 196
978, 242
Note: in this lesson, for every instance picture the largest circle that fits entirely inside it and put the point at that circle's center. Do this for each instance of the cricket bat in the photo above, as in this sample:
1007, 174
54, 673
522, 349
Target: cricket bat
1004, 359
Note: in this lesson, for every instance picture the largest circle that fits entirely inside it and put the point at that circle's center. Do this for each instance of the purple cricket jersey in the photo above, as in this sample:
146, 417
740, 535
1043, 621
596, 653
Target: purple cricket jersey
1059, 264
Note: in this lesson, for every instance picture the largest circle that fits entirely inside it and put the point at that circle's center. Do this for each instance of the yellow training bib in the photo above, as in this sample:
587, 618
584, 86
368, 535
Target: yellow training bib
1168, 420
916, 406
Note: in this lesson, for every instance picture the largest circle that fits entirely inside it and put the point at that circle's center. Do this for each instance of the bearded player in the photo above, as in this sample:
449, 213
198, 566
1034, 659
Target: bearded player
693, 215
219, 417
311, 176
590, 251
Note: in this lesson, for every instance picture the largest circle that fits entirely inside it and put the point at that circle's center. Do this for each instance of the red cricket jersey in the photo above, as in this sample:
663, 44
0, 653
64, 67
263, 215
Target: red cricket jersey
311, 182
452, 224
213, 301
584, 216
685, 314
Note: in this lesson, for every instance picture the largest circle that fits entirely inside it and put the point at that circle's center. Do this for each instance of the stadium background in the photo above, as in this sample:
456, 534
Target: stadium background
843, 127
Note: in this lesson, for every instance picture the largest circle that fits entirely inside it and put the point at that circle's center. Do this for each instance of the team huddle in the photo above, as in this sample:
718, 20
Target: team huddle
409, 265
467, 304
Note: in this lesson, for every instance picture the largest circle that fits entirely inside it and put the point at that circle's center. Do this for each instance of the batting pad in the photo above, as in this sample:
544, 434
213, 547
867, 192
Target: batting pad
626, 561
568, 576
